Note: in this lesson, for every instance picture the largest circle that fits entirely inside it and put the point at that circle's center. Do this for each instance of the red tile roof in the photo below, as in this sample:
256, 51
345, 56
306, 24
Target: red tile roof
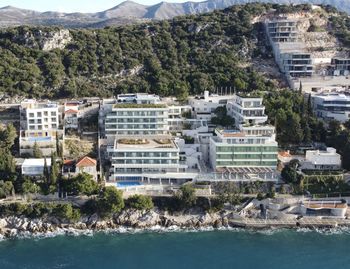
86, 162
71, 111
284, 154
68, 162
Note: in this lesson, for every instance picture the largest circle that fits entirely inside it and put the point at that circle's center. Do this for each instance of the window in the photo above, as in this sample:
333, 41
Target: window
53, 113
38, 114
45, 113
31, 115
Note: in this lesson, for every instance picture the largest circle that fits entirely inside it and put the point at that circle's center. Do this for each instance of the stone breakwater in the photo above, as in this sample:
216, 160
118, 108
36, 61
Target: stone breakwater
11, 227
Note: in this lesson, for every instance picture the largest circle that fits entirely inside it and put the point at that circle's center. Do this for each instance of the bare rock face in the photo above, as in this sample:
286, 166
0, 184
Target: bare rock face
44, 40
138, 219
55, 40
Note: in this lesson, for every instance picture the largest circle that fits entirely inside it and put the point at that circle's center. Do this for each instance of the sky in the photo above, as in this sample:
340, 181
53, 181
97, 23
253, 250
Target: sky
75, 5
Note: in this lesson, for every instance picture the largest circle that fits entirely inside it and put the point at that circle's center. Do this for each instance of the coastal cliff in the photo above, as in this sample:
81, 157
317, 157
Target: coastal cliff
151, 220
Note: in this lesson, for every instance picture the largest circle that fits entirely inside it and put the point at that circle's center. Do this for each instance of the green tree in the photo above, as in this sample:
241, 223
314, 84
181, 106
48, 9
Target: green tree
80, 184
46, 173
37, 153
6, 188
221, 118
186, 196
8, 136
140, 202
7, 165
29, 187
289, 173
228, 193
66, 212
110, 201
54, 171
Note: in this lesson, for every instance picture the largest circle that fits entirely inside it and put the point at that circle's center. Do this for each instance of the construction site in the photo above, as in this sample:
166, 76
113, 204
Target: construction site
306, 52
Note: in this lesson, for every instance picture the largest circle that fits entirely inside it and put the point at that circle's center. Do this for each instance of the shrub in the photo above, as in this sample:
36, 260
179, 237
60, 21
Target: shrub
186, 196
80, 184
66, 212
260, 196
110, 201
140, 202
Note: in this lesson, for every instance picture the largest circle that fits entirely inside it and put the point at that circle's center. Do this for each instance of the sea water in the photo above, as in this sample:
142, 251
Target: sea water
281, 249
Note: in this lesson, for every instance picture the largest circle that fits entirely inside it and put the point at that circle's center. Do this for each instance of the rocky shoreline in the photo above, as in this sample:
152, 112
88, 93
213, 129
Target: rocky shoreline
131, 220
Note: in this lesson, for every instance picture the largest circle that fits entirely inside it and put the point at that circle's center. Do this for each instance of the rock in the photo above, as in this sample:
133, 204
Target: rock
3, 223
148, 219
93, 219
225, 222
11, 233
44, 40
217, 223
101, 225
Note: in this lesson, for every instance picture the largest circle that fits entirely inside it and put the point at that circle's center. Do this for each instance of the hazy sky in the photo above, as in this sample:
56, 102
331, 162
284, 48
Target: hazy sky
75, 5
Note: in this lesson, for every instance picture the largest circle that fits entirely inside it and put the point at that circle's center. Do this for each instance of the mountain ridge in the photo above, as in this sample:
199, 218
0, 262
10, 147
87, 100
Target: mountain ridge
130, 11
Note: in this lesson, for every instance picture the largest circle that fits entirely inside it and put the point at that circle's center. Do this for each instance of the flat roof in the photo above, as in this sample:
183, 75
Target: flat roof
36, 162
325, 204
245, 170
132, 105
161, 143
333, 96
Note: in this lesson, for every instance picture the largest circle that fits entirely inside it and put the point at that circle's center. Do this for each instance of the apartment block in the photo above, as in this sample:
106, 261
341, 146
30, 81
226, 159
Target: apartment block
248, 151
139, 144
40, 123
332, 106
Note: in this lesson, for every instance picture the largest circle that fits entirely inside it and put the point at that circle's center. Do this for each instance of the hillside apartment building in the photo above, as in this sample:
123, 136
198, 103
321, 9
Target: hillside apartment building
297, 53
332, 106
249, 151
139, 145
40, 123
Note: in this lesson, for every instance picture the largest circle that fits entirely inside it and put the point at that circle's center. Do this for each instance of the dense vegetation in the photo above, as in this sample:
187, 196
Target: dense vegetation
184, 55
289, 110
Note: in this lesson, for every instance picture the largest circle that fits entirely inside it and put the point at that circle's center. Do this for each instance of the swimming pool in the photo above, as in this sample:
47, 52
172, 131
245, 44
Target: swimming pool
46, 138
128, 184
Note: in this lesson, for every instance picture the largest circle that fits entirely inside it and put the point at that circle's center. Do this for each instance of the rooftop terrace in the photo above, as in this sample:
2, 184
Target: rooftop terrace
144, 143
128, 105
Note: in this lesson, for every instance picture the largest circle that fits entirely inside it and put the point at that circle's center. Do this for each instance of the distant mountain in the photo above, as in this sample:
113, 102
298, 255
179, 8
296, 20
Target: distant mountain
130, 11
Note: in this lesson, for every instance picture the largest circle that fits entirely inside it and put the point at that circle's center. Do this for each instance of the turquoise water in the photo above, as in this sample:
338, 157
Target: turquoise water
219, 249
128, 184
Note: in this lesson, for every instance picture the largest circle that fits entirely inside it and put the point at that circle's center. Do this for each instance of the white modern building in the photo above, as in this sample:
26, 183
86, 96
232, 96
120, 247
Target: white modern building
139, 145
35, 167
40, 124
138, 115
327, 159
246, 110
249, 150
178, 116
332, 106
203, 107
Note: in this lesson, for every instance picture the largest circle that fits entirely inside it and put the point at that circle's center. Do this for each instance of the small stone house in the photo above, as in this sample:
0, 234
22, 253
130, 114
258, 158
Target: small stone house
83, 165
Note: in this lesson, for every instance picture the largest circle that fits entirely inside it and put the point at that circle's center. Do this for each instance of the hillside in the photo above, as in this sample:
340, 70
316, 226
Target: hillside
184, 55
130, 11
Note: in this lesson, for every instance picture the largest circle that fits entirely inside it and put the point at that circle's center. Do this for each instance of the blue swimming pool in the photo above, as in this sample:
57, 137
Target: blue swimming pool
128, 184
47, 138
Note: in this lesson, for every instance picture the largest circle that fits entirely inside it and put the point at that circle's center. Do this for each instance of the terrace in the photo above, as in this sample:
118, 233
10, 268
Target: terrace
128, 105
144, 143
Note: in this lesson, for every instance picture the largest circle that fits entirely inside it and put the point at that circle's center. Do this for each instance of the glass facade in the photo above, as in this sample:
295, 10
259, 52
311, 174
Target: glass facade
236, 155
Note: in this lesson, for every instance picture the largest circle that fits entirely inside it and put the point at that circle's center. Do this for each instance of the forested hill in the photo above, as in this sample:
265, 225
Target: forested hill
176, 57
